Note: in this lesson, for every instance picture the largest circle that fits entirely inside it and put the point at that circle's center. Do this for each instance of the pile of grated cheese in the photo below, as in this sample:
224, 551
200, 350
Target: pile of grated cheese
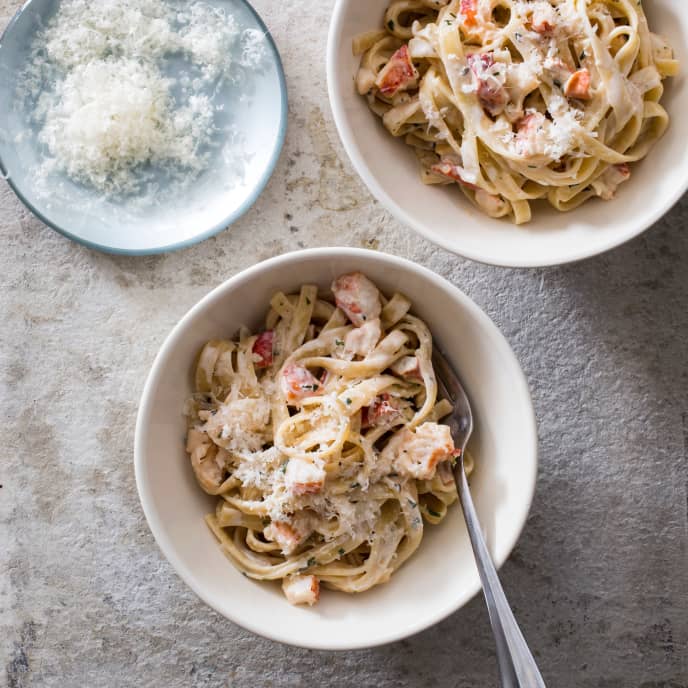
114, 115
109, 109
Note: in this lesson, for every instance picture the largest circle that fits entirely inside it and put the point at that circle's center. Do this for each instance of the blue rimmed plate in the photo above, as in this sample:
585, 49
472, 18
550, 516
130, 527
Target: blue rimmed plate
251, 121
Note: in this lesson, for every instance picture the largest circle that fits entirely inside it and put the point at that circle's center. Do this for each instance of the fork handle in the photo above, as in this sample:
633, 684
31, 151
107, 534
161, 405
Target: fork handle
517, 667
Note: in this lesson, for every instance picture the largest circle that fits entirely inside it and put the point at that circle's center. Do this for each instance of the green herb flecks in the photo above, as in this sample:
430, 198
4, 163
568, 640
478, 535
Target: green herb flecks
312, 561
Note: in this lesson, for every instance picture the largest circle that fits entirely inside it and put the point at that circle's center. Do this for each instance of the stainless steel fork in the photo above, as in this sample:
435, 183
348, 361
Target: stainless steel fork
517, 667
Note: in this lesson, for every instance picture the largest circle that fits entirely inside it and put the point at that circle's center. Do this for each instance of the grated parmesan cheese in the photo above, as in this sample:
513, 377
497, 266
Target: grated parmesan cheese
97, 136
84, 30
99, 88
252, 48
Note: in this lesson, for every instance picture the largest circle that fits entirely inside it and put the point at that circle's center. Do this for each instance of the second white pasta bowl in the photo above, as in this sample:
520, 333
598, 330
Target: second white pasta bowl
443, 215
441, 576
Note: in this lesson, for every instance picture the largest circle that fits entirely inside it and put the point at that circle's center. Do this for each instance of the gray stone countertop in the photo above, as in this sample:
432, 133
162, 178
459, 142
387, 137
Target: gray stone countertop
599, 579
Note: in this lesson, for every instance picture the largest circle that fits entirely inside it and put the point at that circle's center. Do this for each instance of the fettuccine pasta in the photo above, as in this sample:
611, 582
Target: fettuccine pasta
518, 100
320, 438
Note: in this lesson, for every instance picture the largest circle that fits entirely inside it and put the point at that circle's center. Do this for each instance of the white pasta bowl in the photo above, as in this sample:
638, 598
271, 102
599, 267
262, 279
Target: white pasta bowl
441, 576
443, 215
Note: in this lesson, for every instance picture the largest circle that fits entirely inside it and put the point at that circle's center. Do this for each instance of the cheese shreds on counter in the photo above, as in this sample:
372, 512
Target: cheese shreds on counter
104, 98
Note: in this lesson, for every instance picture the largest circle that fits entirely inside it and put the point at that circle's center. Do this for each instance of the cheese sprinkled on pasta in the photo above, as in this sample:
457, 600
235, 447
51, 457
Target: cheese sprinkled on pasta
320, 437
518, 100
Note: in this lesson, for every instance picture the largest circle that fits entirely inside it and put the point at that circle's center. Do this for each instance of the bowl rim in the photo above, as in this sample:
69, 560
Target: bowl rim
348, 139
166, 545
216, 228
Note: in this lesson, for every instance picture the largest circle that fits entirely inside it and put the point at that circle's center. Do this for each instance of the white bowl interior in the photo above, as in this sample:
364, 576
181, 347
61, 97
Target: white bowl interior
441, 576
444, 215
